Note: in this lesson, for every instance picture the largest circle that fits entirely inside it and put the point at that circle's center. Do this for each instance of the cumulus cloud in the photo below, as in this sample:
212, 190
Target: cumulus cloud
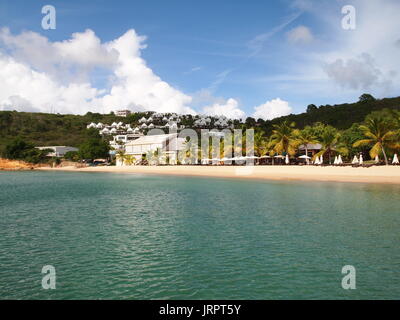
69, 59
49, 75
355, 73
300, 34
30, 90
137, 84
229, 108
272, 109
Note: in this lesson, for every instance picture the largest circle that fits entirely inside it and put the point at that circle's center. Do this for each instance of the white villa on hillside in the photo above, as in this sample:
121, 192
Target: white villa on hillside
168, 144
122, 113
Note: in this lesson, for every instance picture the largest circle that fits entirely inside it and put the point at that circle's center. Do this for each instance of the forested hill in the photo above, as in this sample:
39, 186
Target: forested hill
43, 129
341, 116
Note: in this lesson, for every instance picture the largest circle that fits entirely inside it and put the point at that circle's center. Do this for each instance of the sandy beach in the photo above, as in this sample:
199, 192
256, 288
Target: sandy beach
380, 174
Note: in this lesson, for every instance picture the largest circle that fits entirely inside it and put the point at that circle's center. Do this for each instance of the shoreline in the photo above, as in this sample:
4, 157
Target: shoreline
377, 175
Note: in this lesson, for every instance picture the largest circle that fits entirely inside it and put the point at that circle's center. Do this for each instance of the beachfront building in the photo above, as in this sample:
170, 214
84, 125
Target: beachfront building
58, 151
312, 149
119, 141
167, 146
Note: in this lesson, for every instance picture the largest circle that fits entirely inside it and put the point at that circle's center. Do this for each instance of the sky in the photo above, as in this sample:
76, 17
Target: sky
235, 58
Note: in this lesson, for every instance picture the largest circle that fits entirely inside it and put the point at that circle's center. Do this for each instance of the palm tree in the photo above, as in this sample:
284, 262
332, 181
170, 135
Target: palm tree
305, 137
120, 155
395, 116
379, 133
149, 157
260, 144
129, 159
284, 138
190, 152
330, 143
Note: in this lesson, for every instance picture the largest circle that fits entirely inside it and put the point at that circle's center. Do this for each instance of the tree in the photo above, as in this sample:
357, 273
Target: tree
284, 138
311, 108
366, 97
129, 159
72, 156
349, 137
94, 148
19, 149
330, 143
250, 122
379, 134
260, 144
120, 155
305, 137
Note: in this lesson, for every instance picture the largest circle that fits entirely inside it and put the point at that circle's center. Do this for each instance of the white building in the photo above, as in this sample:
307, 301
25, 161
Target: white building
168, 144
120, 140
122, 113
58, 151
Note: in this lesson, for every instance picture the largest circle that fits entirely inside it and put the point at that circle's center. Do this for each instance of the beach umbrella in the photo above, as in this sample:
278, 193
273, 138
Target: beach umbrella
336, 160
287, 159
376, 159
316, 161
395, 159
321, 160
361, 159
305, 157
355, 160
340, 161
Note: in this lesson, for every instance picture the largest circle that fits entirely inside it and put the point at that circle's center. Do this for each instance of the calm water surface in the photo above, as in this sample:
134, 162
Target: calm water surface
126, 236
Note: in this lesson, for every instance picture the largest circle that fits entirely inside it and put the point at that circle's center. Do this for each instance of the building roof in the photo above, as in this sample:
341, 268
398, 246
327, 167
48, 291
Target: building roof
152, 139
311, 146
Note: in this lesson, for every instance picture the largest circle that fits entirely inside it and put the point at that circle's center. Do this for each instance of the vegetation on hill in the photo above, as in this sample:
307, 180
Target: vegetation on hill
341, 116
337, 128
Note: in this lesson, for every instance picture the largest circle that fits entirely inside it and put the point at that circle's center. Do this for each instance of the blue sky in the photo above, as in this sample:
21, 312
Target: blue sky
223, 55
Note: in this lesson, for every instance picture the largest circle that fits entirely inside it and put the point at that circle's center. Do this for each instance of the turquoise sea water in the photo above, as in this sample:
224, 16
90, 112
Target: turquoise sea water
126, 236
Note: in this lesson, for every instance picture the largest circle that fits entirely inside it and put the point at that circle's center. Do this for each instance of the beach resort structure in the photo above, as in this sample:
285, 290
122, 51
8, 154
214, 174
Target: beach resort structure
119, 141
58, 151
312, 149
166, 145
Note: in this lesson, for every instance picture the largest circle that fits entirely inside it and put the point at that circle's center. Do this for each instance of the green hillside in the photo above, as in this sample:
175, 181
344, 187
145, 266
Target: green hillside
43, 129
341, 116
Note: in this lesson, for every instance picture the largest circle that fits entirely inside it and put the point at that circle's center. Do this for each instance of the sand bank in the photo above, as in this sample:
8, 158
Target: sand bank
11, 165
381, 174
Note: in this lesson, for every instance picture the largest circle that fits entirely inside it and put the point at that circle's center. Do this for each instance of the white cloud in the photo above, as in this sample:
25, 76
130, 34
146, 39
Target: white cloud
272, 109
366, 58
229, 108
25, 89
359, 73
376, 35
258, 42
69, 60
300, 34
46, 75
136, 84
